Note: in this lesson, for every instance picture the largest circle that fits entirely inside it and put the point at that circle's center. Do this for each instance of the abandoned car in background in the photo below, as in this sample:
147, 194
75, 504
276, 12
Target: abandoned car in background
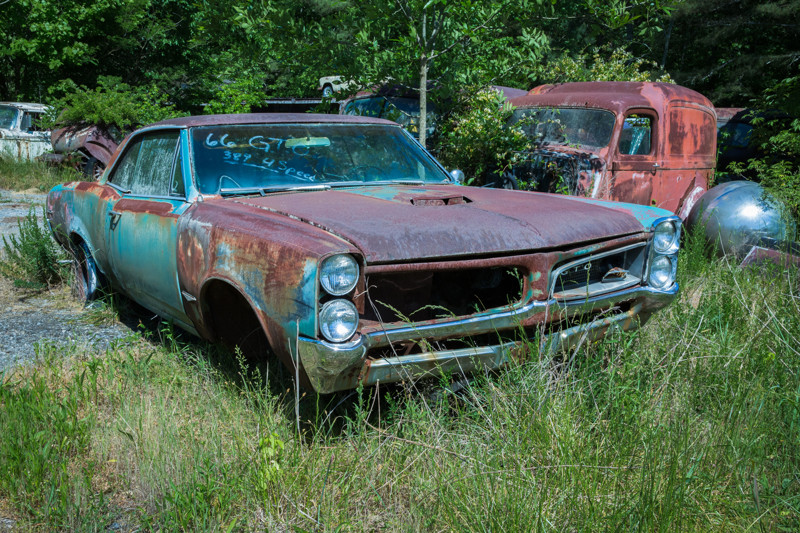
88, 149
641, 142
346, 248
21, 136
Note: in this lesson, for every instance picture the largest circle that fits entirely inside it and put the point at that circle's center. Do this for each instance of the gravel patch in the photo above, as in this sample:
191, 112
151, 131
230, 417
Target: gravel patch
16, 205
28, 318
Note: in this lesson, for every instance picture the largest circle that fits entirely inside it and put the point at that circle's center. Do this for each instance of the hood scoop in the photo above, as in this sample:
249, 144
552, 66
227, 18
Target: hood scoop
438, 200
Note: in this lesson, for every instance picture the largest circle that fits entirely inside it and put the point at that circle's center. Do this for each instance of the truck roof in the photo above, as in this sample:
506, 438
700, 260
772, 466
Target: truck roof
615, 96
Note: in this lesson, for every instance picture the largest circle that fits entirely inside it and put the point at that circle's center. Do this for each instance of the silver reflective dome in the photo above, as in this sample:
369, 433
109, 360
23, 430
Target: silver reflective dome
739, 215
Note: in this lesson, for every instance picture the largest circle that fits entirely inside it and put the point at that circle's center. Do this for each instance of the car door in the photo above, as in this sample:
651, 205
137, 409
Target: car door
635, 166
141, 231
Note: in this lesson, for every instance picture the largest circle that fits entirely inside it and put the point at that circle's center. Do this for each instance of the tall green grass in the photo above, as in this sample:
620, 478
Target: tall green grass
691, 423
19, 175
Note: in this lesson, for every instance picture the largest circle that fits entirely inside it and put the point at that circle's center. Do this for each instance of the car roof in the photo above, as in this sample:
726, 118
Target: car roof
26, 106
269, 118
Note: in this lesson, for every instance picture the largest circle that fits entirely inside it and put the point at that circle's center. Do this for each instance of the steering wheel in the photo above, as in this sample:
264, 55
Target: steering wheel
367, 173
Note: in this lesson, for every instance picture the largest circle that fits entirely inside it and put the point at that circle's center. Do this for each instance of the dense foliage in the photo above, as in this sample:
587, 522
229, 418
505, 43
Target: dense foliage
475, 138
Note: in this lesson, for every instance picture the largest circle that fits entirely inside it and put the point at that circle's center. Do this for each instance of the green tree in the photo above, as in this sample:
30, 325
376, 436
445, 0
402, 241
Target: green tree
43, 42
619, 65
445, 44
732, 51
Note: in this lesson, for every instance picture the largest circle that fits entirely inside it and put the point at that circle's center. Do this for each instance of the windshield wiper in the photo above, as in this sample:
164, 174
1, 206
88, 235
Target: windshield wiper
266, 190
377, 182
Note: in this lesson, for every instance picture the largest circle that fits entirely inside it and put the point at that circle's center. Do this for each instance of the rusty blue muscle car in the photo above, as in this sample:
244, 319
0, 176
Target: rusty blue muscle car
340, 246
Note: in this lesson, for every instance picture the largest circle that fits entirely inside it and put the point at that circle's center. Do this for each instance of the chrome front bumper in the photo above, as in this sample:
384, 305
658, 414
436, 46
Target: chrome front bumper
331, 367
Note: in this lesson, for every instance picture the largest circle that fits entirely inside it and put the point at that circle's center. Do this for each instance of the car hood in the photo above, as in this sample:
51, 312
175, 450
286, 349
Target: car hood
402, 223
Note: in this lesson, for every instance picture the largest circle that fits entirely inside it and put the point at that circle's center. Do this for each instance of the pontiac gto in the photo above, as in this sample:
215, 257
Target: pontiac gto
347, 249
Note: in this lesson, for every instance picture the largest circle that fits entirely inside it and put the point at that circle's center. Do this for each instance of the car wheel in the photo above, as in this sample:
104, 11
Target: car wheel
508, 181
86, 277
93, 169
327, 91
505, 180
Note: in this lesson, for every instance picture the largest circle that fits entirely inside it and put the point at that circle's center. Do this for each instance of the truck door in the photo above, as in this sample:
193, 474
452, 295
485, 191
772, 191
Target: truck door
635, 166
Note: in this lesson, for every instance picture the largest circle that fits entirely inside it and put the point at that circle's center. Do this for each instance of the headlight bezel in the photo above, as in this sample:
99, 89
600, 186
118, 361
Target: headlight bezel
325, 279
674, 243
325, 326
668, 253
672, 265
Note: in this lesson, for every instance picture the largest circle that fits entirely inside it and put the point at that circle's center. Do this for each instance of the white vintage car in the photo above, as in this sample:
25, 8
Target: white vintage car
20, 134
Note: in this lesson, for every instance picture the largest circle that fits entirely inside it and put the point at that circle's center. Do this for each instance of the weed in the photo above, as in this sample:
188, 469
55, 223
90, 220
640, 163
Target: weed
32, 259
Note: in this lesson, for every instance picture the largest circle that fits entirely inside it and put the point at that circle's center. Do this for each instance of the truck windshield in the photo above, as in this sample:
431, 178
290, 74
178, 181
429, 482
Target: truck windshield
285, 156
590, 128
7, 116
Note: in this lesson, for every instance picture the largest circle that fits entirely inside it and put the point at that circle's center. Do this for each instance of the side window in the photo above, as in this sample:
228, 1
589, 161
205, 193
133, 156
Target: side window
154, 166
147, 166
365, 107
123, 173
31, 122
637, 135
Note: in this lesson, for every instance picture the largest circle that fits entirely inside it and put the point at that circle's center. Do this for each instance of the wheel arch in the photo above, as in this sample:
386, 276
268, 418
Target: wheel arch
229, 316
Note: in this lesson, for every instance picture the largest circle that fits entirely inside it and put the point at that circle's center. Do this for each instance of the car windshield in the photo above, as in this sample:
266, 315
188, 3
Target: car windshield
404, 111
237, 158
591, 128
7, 116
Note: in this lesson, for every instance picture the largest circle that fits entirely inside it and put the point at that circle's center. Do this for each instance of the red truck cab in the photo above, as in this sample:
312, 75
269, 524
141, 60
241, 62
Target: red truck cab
639, 142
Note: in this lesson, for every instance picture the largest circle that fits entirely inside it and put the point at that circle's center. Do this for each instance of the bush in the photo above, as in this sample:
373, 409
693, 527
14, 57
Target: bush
112, 105
237, 96
618, 65
31, 260
475, 137
779, 139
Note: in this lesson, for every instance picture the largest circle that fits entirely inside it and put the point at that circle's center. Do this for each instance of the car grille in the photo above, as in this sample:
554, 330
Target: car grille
414, 296
599, 274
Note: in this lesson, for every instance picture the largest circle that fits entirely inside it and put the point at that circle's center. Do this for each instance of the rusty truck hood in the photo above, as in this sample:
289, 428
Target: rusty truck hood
402, 223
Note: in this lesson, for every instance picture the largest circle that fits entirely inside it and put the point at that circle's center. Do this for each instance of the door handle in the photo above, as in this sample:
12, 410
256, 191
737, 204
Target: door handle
115, 216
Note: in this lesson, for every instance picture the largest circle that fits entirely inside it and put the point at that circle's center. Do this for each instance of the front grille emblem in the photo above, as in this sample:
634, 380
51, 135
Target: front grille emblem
614, 274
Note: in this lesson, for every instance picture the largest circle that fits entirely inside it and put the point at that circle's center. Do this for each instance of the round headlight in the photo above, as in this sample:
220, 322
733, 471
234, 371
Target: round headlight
338, 274
662, 272
338, 320
665, 237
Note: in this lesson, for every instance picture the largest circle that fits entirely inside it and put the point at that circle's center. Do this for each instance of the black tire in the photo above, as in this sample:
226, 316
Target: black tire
327, 91
87, 279
509, 182
93, 169
505, 180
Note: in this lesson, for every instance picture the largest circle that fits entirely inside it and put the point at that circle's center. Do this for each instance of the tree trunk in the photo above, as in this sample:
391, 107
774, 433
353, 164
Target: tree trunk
423, 98
423, 81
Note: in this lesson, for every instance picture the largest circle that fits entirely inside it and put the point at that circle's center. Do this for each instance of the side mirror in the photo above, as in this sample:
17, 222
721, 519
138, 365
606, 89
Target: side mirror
458, 176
